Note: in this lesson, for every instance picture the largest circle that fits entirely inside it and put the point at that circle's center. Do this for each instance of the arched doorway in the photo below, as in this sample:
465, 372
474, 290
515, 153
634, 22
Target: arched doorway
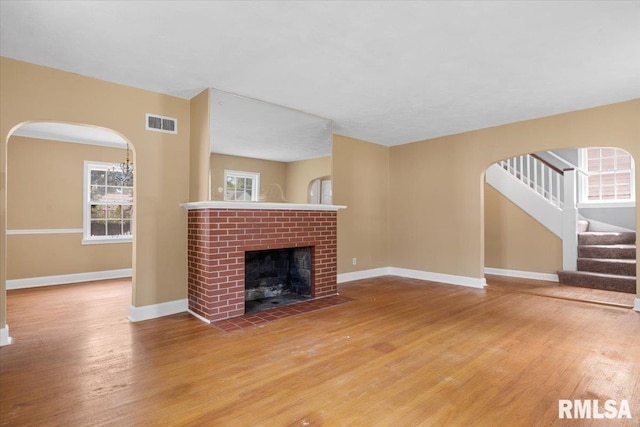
59, 229
526, 234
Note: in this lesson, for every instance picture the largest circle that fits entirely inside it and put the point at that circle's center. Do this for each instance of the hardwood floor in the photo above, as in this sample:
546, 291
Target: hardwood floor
402, 352
560, 291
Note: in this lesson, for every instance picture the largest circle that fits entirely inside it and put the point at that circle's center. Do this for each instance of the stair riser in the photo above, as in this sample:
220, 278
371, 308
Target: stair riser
607, 267
606, 252
626, 238
622, 284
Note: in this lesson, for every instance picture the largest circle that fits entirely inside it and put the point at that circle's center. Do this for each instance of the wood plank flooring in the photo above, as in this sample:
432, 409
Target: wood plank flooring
561, 291
401, 352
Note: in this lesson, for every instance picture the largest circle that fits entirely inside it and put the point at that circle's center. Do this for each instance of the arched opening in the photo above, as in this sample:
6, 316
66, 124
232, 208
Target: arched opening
319, 191
62, 221
529, 201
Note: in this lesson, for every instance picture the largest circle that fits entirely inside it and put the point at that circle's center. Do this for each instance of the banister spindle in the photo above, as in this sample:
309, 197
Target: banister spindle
550, 173
541, 192
520, 159
535, 174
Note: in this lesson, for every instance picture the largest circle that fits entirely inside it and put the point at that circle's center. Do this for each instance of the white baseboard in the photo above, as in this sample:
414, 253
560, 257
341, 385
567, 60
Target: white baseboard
522, 274
636, 305
146, 312
64, 279
197, 316
450, 279
5, 339
364, 274
413, 274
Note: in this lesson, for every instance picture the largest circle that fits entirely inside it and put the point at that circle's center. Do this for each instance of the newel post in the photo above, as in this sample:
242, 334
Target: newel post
570, 222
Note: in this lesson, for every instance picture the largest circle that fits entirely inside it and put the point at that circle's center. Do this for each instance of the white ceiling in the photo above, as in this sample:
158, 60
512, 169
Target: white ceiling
249, 128
385, 72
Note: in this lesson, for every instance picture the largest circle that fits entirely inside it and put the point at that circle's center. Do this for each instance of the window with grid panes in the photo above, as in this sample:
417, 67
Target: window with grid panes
108, 204
611, 175
241, 186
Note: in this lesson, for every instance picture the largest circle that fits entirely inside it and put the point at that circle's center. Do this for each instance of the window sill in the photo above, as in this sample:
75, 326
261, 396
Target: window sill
601, 205
106, 241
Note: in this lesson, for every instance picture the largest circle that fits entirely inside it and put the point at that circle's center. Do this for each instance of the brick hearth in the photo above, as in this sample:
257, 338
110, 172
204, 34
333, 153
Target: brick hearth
218, 239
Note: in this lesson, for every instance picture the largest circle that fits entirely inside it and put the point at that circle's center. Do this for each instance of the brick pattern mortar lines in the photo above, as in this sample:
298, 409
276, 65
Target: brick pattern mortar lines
219, 238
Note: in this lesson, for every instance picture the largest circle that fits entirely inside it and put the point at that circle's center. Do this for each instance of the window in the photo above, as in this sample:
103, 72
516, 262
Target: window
611, 175
243, 186
108, 204
320, 191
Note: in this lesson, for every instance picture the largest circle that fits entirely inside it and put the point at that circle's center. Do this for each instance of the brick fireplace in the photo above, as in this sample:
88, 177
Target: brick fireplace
221, 233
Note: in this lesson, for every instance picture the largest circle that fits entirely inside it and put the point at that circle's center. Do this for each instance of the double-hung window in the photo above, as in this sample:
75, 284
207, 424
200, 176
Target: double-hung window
610, 176
242, 186
108, 204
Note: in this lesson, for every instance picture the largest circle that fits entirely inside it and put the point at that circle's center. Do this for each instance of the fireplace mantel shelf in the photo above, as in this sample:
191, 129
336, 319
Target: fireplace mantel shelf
216, 204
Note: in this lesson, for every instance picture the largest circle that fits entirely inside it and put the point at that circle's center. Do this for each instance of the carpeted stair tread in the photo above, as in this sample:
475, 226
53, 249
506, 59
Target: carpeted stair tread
621, 251
612, 282
607, 238
624, 267
606, 260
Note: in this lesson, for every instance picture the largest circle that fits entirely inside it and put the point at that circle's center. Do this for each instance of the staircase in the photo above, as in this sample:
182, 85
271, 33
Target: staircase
600, 260
606, 260
546, 193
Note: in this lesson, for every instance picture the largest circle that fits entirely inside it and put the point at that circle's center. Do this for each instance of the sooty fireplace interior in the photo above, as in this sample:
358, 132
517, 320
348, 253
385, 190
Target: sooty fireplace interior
277, 277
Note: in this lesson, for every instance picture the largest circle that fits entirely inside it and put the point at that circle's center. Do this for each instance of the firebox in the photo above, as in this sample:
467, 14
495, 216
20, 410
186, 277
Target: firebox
277, 277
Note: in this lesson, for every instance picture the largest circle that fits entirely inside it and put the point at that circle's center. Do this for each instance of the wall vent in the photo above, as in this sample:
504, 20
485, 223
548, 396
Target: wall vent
161, 123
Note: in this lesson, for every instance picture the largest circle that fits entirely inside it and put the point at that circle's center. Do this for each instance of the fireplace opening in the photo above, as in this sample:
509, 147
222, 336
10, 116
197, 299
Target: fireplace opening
276, 277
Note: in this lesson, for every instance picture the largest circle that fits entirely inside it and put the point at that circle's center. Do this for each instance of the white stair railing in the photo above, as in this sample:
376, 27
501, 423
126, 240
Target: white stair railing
542, 177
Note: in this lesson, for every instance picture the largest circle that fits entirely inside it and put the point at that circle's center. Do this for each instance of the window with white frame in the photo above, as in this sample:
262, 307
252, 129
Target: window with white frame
108, 204
320, 191
611, 175
241, 186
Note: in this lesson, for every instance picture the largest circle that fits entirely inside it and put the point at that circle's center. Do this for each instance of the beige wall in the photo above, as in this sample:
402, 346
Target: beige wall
279, 181
35, 93
301, 173
437, 186
360, 181
200, 147
45, 191
30, 256
515, 241
273, 175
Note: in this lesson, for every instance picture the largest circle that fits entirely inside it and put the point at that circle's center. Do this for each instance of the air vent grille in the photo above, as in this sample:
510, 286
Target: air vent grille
161, 123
